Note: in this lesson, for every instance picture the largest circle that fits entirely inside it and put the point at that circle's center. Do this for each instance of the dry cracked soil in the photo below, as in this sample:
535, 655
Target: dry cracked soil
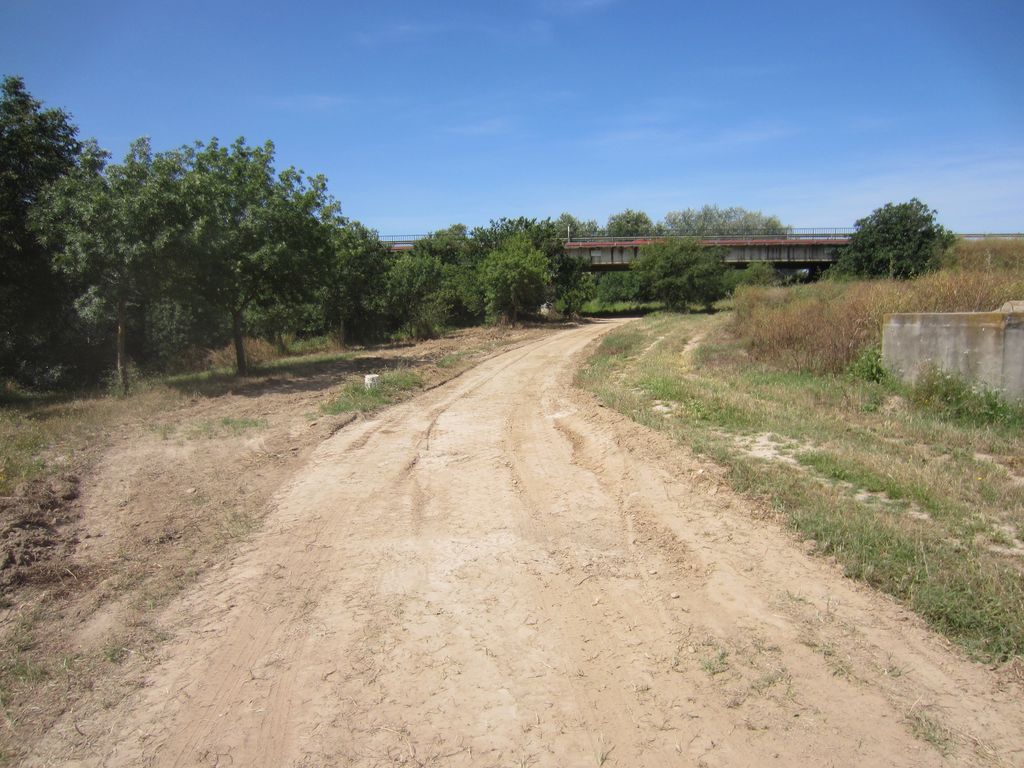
499, 572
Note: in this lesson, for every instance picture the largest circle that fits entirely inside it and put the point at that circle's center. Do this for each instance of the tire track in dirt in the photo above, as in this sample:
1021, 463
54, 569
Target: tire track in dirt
499, 572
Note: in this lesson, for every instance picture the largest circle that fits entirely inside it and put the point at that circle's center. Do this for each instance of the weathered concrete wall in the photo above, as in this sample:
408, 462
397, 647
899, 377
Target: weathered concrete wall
986, 347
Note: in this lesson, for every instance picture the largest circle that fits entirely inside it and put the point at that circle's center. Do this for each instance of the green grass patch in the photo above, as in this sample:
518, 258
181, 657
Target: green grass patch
595, 308
355, 397
452, 360
835, 468
239, 426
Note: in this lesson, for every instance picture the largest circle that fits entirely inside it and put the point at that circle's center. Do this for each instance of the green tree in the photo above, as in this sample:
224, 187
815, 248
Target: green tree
570, 283
900, 240
460, 258
255, 237
543, 235
111, 228
514, 278
353, 285
631, 223
712, 220
681, 272
624, 286
571, 227
37, 147
415, 291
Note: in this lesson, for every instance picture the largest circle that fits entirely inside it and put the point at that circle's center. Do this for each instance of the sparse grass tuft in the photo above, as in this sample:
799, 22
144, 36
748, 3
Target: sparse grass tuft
929, 729
717, 663
115, 653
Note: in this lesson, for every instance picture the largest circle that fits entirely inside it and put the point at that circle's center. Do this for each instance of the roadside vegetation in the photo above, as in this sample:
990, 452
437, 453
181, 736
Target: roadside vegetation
918, 491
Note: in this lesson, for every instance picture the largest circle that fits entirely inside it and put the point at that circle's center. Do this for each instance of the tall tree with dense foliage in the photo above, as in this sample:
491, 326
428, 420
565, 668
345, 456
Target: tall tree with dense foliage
514, 278
630, 223
255, 236
570, 283
111, 228
898, 240
37, 147
681, 273
418, 303
352, 290
712, 220
460, 259
569, 226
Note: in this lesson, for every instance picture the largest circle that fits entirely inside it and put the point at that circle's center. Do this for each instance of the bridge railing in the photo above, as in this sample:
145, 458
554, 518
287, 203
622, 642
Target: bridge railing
817, 233
987, 235
400, 238
794, 233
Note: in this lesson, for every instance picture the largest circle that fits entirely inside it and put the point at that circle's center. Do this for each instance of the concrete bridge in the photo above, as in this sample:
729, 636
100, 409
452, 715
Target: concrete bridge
794, 249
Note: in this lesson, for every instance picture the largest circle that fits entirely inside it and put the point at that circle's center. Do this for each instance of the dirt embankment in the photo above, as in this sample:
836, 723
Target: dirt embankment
499, 572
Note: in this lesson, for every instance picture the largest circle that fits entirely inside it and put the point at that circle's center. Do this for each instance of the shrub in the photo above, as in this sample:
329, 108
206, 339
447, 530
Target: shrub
868, 365
757, 273
514, 278
897, 241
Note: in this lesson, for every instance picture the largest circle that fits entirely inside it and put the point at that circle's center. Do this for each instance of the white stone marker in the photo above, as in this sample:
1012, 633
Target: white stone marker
371, 381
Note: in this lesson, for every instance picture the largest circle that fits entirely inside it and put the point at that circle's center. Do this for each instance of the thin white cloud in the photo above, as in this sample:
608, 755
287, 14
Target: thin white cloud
751, 135
673, 141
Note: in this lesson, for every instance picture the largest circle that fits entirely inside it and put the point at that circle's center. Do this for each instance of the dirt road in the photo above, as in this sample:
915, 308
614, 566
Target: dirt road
499, 572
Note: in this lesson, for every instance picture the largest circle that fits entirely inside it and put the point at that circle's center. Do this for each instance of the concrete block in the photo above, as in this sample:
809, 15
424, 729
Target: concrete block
985, 347
371, 380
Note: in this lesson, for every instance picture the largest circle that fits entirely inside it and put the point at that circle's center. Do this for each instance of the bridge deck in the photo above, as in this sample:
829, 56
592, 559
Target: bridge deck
795, 248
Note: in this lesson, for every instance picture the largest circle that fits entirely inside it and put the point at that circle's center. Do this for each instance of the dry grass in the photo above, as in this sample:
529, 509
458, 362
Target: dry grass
992, 253
48, 435
824, 327
260, 352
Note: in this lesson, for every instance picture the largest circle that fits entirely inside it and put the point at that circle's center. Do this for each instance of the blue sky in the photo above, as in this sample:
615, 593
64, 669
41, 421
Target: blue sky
424, 114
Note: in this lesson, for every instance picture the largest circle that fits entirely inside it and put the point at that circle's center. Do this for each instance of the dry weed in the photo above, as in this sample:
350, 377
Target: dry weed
823, 328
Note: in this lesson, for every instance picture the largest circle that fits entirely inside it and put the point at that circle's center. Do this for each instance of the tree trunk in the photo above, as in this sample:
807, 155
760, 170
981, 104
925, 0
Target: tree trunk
341, 332
122, 361
241, 367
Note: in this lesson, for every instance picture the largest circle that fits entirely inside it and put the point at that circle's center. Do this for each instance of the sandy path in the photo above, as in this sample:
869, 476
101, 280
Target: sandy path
501, 573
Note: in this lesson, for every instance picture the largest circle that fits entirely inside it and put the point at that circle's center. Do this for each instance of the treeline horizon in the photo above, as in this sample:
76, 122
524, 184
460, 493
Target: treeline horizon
140, 264
707, 220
